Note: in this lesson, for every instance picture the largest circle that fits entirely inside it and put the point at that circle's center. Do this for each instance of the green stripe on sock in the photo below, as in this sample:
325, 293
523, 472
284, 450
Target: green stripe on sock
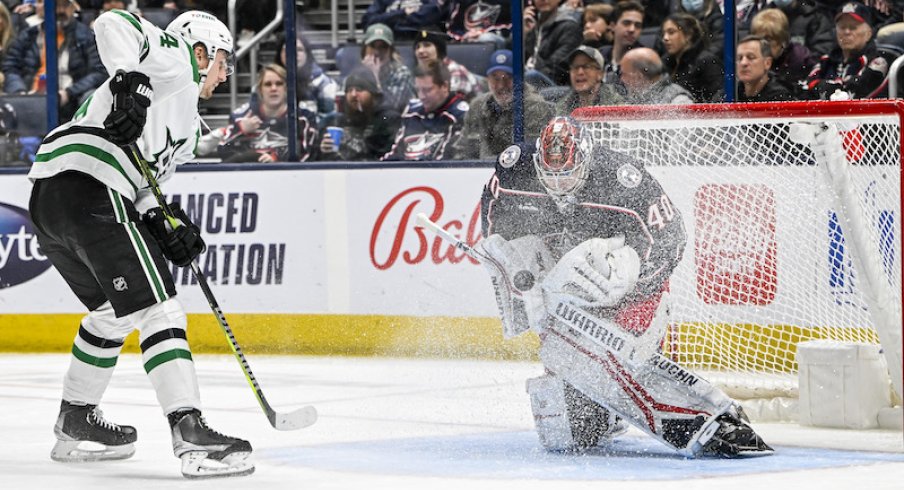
166, 357
101, 362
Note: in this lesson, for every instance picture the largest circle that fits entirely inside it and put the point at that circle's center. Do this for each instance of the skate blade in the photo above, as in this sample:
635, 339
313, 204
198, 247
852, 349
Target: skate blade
87, 451
196, 465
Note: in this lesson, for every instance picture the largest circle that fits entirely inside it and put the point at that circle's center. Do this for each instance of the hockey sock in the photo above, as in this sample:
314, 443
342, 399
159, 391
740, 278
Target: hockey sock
91, 365
167, 357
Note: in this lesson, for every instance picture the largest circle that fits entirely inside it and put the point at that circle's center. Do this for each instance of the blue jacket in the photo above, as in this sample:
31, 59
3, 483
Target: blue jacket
392, 13
24, 59
429, 136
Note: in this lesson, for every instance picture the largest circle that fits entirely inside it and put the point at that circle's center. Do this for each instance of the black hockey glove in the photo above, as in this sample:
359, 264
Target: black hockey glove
181, 245
132, 94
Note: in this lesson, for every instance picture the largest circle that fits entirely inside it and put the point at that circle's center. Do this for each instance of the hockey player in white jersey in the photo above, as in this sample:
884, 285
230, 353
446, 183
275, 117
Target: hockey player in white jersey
580, 242
100, 226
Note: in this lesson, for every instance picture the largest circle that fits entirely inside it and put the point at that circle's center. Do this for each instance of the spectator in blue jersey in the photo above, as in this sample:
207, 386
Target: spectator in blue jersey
394, 78
25, 68
480, 21
855, 66
258, 130
404, 17
315, 90
368, 124
432, 123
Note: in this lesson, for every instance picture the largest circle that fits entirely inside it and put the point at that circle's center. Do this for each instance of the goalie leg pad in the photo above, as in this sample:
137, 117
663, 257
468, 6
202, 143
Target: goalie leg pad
657, 395
566, 420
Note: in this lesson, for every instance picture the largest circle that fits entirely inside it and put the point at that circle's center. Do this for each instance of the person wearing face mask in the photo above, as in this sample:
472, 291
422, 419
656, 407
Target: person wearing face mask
710, 16
80, 67
855, 66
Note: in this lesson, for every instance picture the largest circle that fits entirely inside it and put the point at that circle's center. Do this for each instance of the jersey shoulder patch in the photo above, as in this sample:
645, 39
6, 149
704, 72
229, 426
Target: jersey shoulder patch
628, 176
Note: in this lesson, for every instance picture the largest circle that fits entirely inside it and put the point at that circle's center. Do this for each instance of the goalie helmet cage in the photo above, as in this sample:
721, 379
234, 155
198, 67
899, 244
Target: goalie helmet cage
793, 213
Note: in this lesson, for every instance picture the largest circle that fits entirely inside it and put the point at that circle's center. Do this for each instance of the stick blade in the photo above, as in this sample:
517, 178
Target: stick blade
299, 419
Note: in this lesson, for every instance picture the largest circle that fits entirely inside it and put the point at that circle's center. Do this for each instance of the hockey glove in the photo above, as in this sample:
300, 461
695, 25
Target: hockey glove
180, 245
132, 94
516, 268
597, 273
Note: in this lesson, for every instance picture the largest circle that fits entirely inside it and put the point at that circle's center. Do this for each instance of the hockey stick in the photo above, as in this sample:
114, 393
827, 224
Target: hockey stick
424, 221
297, 419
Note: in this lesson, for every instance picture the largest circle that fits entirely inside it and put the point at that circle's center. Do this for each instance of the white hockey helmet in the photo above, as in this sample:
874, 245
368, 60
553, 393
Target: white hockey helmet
196, 27
563, 154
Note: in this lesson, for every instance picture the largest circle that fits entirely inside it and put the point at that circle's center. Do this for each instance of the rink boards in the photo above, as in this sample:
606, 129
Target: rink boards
308, 260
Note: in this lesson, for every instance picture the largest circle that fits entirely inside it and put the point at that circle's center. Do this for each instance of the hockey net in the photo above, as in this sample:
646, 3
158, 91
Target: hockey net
783, 245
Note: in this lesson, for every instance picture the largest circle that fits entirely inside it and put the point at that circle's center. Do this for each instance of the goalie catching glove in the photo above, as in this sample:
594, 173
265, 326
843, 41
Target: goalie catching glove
597, 273
132, 94
516, 268
180, 245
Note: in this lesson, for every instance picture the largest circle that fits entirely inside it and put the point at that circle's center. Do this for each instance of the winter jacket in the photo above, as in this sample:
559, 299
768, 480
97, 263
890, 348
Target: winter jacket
792, 68
699, 71
364, 138
607, 95
488, 126
427, 13
429, 136
811, 28
661, 92
550, 44
772, 91
864, 74
23, 60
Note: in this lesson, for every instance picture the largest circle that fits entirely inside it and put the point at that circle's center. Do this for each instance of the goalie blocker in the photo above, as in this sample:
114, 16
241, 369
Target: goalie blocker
598, 238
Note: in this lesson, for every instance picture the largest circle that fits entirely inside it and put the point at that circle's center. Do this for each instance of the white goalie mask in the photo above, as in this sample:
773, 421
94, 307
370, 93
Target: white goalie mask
563, 156
201, 27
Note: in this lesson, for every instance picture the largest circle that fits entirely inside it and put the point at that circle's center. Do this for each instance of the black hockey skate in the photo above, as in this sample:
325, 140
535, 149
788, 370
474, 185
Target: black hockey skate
205, 453
733, 436
79, 427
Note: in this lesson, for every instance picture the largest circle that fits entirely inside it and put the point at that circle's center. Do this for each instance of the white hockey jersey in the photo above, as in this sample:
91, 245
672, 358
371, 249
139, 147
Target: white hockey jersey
170, 136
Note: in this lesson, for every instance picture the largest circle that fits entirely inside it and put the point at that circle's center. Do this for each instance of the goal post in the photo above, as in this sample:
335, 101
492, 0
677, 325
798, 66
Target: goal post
793, 213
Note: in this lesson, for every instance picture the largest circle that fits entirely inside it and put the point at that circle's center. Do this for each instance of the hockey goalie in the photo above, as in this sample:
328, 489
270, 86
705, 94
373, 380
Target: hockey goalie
580, 242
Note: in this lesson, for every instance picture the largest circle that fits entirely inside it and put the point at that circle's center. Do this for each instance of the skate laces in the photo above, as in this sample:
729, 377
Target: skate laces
203, 422
96, 415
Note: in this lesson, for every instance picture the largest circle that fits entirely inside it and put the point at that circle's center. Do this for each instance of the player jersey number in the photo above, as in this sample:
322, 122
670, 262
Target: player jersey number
660, 213
167, 40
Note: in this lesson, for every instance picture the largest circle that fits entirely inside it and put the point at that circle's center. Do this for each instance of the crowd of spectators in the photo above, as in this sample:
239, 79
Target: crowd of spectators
432, 106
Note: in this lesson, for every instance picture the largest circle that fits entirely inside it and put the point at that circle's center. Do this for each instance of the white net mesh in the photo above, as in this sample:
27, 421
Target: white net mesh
779, 251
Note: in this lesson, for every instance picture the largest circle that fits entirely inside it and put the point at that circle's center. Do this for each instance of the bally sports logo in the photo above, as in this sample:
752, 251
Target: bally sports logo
20, 257
397, 219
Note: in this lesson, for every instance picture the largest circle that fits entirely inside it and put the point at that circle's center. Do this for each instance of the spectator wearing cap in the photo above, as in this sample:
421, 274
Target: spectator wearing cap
432, 123
792, 62
808, 25
431, 46
551, 32
687, 62
394, 78
855, 66
755, 82
481, 21
627, 24
368, 123
404, 17
585, 68
488, 128
642, 76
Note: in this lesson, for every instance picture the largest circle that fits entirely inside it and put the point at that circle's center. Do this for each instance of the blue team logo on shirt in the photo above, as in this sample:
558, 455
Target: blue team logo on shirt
20, 257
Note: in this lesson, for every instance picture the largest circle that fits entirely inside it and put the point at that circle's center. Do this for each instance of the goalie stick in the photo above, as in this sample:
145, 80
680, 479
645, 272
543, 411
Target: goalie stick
297, 419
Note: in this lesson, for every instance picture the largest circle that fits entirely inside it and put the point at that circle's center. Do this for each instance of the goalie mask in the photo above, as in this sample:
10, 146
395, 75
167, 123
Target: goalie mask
562, 158
200, 27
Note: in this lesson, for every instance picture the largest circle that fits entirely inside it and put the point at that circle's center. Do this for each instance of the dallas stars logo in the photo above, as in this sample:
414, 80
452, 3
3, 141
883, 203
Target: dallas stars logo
164, 158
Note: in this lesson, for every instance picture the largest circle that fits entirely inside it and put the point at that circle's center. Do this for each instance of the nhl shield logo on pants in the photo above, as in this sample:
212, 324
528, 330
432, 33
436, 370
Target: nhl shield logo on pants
119, 283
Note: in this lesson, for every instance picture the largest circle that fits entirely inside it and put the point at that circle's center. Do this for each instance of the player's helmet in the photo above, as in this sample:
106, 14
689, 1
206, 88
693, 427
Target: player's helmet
201, 27
563, 155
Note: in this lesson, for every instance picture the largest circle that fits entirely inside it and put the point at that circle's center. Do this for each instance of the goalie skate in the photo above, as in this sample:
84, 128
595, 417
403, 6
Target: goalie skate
205, 453
733, 436
84, 435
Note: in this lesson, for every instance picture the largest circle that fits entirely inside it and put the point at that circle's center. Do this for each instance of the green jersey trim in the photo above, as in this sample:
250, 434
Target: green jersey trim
131, 18
91, 151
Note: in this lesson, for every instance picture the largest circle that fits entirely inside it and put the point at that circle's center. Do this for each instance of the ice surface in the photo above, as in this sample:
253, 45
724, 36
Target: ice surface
399, 424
